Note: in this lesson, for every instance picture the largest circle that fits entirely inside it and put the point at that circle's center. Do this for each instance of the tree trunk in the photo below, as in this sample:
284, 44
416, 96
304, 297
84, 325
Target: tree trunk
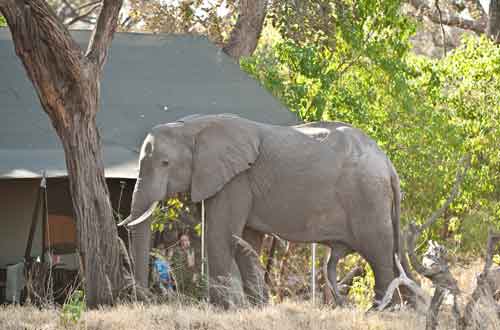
67, 82
246, 32
97, 233
493, 28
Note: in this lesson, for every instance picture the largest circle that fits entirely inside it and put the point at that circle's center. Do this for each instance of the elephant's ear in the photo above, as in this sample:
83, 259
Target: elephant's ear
222, 150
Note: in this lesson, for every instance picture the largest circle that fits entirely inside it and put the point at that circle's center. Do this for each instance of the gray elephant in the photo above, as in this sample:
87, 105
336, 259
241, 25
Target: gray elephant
322, 182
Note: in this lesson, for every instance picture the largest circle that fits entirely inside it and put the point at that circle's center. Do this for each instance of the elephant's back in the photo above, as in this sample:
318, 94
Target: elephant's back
356, 144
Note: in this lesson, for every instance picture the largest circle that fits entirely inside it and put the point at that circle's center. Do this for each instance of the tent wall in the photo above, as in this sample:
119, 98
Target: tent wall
16, 209
18, 202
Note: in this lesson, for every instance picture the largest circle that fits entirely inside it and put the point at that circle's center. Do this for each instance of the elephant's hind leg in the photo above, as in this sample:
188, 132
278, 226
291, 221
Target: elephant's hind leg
337, 252
377, 249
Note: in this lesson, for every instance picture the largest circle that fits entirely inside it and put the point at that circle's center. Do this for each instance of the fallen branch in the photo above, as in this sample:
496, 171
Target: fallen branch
402, 279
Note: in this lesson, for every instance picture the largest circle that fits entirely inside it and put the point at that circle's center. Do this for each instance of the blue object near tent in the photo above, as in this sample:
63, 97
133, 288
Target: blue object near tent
163, 269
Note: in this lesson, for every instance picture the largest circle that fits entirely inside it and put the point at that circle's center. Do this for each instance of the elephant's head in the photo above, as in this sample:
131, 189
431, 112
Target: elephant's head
199, 154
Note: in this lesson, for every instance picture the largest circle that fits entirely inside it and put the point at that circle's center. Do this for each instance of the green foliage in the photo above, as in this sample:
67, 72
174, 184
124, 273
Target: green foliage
167, 217
186, 17
426, 114
361, 292
2, 21
72, 310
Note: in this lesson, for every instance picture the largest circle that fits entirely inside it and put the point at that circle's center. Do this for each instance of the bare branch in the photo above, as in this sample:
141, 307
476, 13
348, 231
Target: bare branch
96, 4
246, 32
89, 4
448, 18
102, 35
403, 279
465, 163
443, 33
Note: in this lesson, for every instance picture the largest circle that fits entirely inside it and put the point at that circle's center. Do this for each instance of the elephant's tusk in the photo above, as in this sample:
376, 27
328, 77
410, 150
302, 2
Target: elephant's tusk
125, 221
129, 221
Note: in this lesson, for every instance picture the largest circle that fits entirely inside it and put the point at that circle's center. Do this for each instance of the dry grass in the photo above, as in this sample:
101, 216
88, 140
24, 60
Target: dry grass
289, 315
138, 317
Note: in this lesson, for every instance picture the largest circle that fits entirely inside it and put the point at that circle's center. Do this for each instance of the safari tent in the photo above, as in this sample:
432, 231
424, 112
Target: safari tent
149, 79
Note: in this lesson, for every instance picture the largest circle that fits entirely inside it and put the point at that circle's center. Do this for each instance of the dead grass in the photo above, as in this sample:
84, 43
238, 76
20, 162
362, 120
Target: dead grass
139, 317
289, 315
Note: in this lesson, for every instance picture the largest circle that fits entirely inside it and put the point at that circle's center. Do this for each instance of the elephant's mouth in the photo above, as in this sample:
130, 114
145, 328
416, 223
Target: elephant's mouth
130, 221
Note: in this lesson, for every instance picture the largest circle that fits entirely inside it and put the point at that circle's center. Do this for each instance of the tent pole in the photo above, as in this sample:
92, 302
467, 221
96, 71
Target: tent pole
43, 186
203, 257
313, 275
36, 211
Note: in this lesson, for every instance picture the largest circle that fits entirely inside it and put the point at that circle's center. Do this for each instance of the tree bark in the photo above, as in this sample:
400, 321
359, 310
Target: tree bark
67, 83
447, 18
481, 23
493, 28
475, 9
246, 33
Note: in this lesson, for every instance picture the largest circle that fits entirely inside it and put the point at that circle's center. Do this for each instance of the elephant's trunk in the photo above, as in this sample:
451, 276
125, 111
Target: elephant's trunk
142, 207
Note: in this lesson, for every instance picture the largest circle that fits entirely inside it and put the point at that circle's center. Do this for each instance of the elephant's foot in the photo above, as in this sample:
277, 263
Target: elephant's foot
223, 293
340, 300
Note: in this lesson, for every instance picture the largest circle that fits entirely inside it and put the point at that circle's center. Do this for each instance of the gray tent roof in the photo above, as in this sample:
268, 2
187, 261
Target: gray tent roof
148, 80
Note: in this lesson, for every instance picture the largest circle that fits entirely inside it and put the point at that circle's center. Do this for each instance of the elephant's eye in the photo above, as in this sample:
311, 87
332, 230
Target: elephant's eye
164, 162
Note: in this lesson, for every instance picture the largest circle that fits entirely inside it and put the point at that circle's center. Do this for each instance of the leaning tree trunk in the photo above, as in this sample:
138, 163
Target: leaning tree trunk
246, 33
67, 83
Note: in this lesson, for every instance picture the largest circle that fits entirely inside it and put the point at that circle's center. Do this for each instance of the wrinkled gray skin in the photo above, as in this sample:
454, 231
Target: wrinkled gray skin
321, 182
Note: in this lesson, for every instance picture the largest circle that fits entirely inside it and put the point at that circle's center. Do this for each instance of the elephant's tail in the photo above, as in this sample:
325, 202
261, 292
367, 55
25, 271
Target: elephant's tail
396, 211
396, 224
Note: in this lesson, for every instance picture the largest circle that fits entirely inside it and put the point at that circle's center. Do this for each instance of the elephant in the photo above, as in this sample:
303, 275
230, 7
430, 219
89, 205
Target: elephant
323, 182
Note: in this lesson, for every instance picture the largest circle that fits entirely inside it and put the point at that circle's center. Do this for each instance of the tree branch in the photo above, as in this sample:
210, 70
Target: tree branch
402, 279
39, 35
465, 163
448, 18
95, 5
104, 30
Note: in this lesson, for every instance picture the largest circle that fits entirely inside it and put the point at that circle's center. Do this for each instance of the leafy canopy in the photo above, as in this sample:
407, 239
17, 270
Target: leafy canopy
425, 113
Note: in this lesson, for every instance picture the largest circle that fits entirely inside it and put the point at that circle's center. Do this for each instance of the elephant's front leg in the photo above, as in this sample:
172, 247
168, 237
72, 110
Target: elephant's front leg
227, 213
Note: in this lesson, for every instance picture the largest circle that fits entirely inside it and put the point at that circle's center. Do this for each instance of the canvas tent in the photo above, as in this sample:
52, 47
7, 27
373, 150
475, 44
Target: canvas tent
149, 79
